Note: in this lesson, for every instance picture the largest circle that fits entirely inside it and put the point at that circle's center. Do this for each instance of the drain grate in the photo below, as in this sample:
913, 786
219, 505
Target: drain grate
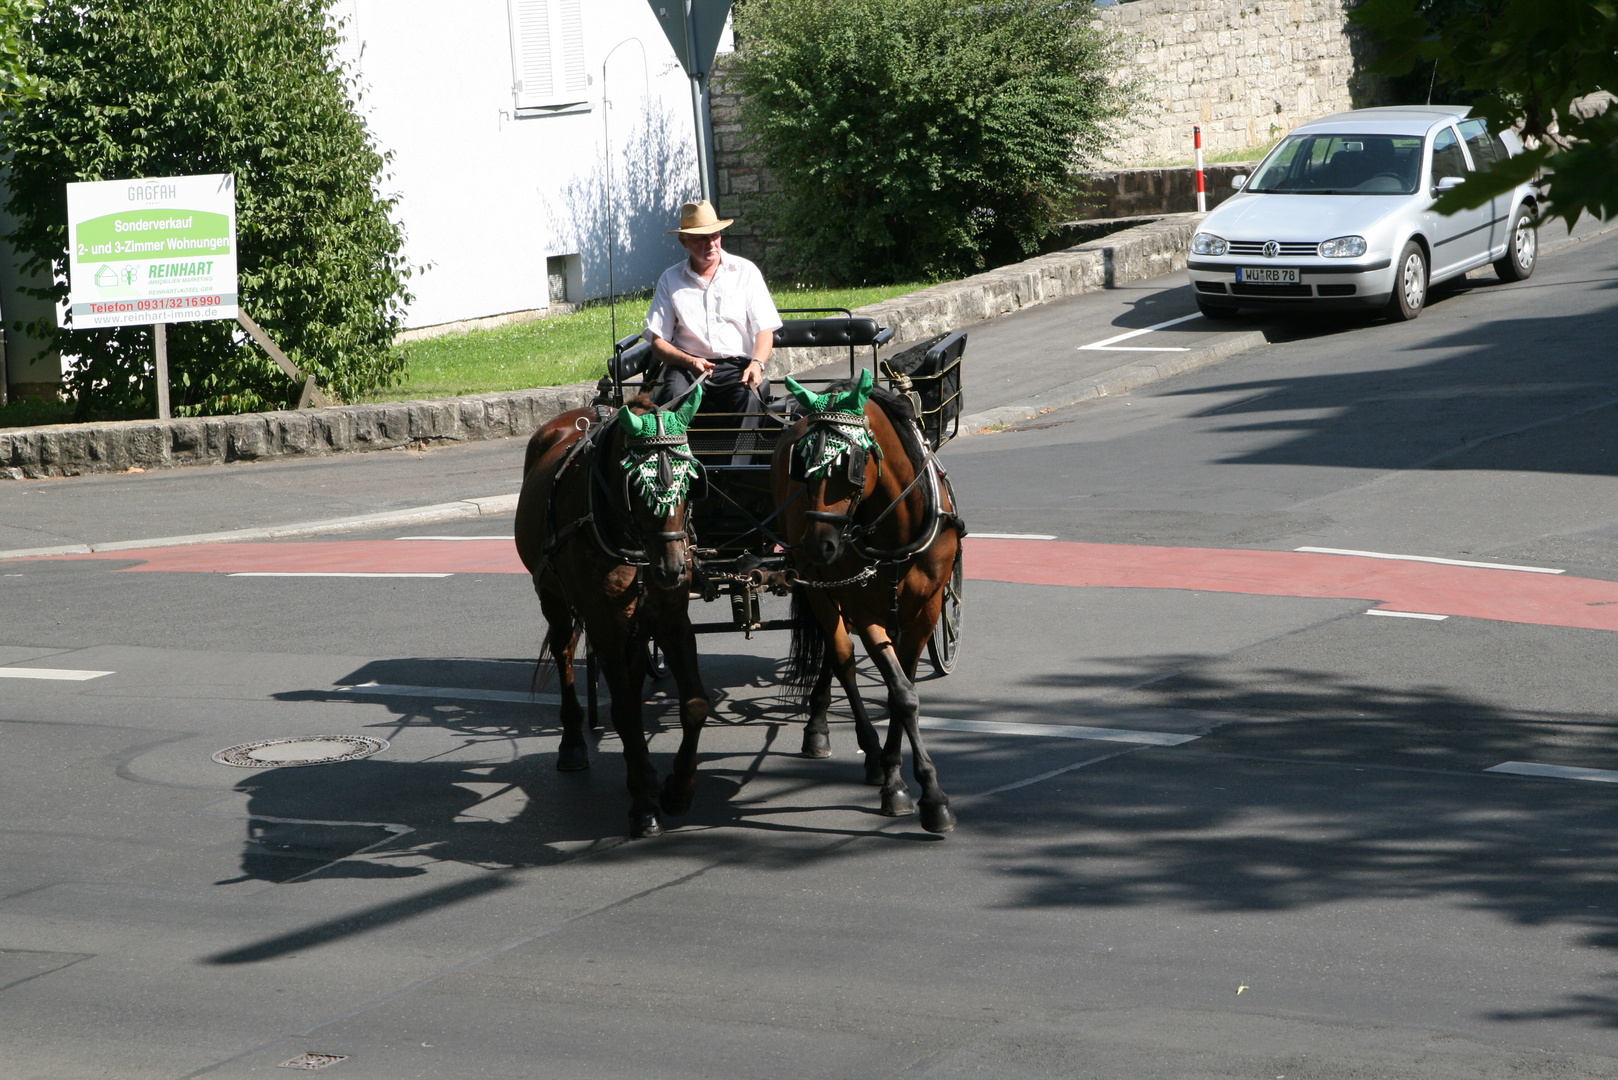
303, 750
312, 1061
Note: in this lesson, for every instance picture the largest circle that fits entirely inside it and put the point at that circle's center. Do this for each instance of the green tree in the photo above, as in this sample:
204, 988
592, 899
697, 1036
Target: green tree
923, 137
15, 81
1527, 61
136, 88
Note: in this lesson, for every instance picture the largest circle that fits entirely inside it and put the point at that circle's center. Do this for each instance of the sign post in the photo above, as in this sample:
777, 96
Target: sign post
693, 28
152, 251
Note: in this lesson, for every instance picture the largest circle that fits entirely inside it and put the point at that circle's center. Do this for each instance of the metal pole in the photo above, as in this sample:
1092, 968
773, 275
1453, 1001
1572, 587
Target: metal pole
1202, 183
699, 103
160, 352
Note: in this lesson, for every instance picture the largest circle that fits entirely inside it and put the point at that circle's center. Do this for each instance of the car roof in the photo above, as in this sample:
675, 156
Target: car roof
1389, 120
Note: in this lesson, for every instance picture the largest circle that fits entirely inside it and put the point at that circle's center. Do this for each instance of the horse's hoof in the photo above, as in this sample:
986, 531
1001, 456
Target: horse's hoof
816, 744
676, 800
897, 804
937, 817
573, 759
875, 774
642, 826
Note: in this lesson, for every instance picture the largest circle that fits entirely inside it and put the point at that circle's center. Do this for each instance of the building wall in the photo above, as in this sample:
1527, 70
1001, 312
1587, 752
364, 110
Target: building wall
489, 193
1247, 71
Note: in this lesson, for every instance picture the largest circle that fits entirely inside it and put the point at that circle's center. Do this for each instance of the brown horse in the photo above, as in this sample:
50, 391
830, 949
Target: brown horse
601, 526
872, 533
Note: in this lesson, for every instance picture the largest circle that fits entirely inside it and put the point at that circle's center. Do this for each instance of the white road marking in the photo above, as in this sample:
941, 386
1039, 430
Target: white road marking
324, 573
509, 538
1110, 344
63, 674
451, 693
1058, 731
1011, 536
1559, 772
1407, 615
1430, 559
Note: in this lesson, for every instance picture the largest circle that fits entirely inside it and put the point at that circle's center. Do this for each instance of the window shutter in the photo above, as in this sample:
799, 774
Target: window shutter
547, 52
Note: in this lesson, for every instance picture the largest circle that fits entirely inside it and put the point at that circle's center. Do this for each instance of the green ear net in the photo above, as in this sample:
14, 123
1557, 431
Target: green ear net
643, 426
847, 401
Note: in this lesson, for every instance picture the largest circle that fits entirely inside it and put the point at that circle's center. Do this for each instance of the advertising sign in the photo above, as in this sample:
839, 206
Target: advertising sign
152, 251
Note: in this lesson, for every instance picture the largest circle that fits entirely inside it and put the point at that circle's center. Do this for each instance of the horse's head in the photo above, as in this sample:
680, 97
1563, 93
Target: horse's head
658, 472
831, 460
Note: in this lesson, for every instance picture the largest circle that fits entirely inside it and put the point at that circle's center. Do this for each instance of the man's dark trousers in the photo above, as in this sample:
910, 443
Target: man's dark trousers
724, 392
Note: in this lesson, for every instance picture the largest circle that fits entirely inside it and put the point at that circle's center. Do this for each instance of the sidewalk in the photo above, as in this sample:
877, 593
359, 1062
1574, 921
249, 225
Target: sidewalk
1015, 366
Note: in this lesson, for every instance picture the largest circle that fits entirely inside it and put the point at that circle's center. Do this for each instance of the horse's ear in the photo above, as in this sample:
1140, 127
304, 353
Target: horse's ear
676, 422
635, 425
811, 401
853, 401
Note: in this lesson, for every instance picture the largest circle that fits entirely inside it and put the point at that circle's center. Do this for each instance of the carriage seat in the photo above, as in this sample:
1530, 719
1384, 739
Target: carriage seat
836, 333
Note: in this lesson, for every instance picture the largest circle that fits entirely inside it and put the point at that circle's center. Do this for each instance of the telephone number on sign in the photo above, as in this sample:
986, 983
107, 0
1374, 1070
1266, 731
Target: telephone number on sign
171, 302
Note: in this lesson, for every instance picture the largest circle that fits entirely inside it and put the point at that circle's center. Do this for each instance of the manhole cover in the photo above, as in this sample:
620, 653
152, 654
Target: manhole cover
312, 1061
304, 750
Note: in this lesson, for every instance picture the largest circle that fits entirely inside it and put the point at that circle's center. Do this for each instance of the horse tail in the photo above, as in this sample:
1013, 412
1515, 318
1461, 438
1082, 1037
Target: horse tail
808, 647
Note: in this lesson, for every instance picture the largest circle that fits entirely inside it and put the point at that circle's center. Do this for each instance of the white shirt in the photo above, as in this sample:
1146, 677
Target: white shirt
718, 318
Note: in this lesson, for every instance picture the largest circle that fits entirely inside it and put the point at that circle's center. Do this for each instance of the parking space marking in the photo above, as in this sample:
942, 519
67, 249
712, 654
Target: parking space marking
448, 693
1557, 772
508, 539
1012, 536
327, 573
1110, 344
62, 674
1407, 615
1430, 559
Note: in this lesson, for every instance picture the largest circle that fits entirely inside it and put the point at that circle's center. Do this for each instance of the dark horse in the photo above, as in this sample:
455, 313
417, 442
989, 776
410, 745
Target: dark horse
872, 532
601, 526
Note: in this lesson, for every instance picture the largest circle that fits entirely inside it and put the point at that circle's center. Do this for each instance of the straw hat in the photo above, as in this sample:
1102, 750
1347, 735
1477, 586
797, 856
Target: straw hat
699, 219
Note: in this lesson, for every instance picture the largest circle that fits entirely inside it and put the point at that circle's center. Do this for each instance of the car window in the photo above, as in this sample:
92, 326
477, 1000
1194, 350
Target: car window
1447, 157
1340, 164
1480, 145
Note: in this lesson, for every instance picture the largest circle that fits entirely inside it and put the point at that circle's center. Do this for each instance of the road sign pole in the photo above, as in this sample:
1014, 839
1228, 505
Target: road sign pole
160, 353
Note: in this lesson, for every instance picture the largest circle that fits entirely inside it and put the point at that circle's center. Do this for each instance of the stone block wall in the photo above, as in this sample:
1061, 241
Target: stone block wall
1247, 71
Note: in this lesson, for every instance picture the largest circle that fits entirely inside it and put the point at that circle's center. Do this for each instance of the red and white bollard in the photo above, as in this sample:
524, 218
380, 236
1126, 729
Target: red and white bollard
1202, 180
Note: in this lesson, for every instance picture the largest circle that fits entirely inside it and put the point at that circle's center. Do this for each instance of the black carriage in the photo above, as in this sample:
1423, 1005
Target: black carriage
739, 556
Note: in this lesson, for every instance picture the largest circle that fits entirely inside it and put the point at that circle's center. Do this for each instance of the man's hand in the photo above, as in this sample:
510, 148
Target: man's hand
753, 375
696, 365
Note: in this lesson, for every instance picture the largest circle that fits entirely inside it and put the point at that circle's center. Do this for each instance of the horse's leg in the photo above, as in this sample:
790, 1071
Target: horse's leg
817, 732
841, 658
623, 662
561, 636
896, 801
679, 647
904, 711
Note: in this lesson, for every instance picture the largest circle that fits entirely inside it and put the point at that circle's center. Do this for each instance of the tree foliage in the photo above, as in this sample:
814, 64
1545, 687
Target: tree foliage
15, 81
923, 137
1527, 61
145, 88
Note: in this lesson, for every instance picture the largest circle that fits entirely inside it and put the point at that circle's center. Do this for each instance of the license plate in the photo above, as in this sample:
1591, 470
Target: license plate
1268, 275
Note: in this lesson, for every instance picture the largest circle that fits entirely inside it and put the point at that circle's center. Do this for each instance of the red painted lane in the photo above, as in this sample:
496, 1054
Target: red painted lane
1501, 595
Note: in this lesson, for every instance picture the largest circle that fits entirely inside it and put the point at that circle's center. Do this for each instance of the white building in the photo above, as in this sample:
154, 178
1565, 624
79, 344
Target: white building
498, 115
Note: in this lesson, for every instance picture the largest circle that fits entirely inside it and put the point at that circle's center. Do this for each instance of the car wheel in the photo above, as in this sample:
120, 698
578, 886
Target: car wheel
1409, 284
1215, 311
1522, 251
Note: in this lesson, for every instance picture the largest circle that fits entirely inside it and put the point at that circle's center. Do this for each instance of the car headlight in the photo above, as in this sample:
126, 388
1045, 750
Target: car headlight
1206, 243
1343, 247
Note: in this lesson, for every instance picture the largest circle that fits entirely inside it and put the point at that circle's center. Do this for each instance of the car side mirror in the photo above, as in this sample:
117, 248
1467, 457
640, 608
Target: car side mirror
1238, 182
1448, 183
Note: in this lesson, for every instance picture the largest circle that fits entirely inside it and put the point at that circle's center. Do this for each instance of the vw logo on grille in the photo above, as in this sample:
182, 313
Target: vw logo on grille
1271, 249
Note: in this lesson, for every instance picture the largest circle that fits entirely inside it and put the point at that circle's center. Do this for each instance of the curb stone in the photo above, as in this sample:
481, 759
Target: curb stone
493, 505
1147, 250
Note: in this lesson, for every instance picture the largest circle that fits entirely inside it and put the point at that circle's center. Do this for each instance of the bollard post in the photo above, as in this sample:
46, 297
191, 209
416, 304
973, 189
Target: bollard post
1202, 182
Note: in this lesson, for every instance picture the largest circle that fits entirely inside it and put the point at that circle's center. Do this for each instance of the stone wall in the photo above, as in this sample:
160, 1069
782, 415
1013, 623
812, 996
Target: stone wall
1247, 71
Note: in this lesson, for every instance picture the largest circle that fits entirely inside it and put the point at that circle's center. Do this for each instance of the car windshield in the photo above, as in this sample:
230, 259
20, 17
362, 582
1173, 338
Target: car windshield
1317, 164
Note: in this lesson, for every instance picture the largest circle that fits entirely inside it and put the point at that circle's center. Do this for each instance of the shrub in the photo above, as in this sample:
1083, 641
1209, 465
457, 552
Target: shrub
134, 88
922, 137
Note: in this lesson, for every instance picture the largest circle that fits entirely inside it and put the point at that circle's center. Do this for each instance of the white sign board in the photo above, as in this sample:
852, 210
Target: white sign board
152, 251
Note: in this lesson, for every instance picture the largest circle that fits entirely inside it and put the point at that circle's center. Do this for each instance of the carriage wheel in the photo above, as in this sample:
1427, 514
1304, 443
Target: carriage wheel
945, 644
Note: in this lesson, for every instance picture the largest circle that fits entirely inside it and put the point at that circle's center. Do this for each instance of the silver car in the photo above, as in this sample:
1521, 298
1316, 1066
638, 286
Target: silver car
1340, 215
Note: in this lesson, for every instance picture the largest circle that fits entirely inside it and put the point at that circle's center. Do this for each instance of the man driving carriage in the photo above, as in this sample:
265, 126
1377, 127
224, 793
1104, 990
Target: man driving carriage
712, 315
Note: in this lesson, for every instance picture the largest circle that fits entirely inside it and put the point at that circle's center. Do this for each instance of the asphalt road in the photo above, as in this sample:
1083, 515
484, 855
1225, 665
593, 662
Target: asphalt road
1295, 864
